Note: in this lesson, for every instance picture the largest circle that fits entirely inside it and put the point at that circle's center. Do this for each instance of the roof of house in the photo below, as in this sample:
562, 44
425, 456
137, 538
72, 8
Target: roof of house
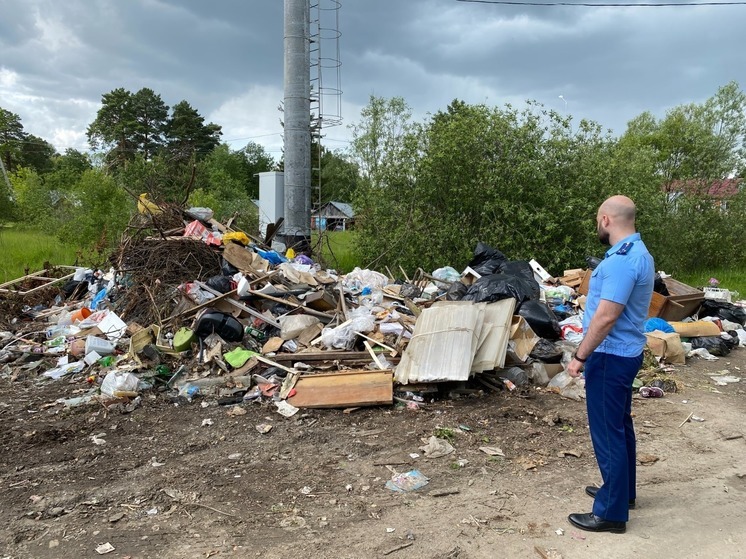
724, 188
341, 207
344, 208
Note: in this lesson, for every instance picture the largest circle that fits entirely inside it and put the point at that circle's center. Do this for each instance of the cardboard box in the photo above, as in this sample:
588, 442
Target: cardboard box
522, 341
696, 329
667, 346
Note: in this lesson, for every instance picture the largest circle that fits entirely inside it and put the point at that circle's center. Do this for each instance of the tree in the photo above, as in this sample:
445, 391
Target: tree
37, 154
114, 127
68, 168
150, 115
11, 139
695, 142
188, 135
378, 140
128, 124
340, 177
257, 161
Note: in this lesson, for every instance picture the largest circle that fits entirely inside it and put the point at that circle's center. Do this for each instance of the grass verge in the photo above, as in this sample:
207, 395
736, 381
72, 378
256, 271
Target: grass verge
338, 250
22, 249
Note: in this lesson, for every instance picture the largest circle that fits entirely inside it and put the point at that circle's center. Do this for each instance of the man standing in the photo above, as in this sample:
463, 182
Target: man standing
619, 295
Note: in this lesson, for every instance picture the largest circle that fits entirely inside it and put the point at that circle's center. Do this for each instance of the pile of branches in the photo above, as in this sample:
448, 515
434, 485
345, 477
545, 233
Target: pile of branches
152, 268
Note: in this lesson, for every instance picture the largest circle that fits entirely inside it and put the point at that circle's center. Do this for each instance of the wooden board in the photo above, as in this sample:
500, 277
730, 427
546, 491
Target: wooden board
40, 276
341, 390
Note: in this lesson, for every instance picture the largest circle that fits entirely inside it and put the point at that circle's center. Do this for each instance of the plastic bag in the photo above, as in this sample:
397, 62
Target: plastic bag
659, 286
654, 323
457, 291
227, 269
496, 287
486, 260
519, 268
343, 336
541, 319
292, 325
516, 375
725, 311
118, 383
715, 345
224, 284
358, 279
205, 214
546, 352
448, 275
569, 387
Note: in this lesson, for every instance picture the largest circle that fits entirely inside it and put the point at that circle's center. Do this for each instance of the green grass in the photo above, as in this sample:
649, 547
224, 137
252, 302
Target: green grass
734, 280
22, 249
337, 250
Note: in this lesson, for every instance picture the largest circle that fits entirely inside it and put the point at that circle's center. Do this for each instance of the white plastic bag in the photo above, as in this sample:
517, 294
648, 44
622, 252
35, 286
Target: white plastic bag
343, 335
118, 383
569, 387
292, 325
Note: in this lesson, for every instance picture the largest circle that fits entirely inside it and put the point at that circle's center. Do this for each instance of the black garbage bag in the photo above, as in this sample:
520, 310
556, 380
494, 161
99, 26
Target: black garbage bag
457, 291
546, 352
224, 325
227, 269
731, 339
518, 268
496, 287
592, 261
516, 375
541, 319
723, 310
714, 344
71, 287
486, 259
410, 291
659, 286
224, 284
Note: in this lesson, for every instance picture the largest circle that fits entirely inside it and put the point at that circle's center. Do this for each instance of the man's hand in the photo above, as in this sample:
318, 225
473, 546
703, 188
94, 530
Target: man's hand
575, 368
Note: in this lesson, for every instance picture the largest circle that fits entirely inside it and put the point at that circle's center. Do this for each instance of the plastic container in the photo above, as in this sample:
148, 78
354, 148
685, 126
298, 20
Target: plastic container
100, 346
183, 339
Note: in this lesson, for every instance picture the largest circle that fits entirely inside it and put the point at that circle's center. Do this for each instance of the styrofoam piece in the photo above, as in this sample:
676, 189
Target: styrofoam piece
92, 357
112, 326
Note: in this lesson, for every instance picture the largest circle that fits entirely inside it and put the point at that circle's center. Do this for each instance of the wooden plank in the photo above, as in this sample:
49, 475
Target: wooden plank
36, 276
341, 390
322, 356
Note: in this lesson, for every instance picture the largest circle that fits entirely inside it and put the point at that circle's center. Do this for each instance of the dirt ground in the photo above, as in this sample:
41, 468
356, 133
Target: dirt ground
167, 484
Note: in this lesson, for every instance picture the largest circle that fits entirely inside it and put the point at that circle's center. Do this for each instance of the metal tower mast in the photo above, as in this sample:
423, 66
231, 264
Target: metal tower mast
297, 110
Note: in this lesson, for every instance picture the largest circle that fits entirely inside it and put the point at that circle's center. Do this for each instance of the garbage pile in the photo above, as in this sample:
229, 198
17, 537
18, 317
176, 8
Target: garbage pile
191, 308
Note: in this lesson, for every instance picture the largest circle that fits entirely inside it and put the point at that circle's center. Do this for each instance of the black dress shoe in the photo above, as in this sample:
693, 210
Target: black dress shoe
591, 490
593, 523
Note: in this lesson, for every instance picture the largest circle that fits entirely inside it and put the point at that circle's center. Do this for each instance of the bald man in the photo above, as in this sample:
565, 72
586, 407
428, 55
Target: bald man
619, 295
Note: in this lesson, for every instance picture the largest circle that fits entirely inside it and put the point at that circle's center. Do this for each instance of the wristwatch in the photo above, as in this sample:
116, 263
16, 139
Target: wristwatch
579, 359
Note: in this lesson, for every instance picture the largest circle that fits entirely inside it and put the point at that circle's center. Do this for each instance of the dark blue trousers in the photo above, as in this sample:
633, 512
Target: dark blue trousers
608, 389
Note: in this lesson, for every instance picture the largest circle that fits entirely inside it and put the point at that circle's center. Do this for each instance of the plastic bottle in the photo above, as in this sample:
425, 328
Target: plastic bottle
255, 333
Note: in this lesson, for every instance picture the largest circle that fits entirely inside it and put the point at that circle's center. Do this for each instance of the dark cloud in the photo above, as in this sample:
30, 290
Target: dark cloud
225, 58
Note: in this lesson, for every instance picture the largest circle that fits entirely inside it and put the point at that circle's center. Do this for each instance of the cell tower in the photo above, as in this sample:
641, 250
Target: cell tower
311, 41
326, 83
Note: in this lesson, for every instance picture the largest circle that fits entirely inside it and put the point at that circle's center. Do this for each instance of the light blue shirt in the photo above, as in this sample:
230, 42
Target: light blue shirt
625, 276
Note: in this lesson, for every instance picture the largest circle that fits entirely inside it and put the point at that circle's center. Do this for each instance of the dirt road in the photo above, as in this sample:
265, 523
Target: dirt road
200, 480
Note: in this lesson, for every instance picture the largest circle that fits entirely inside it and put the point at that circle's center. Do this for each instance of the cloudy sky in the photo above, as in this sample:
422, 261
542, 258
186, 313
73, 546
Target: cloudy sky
226, 58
